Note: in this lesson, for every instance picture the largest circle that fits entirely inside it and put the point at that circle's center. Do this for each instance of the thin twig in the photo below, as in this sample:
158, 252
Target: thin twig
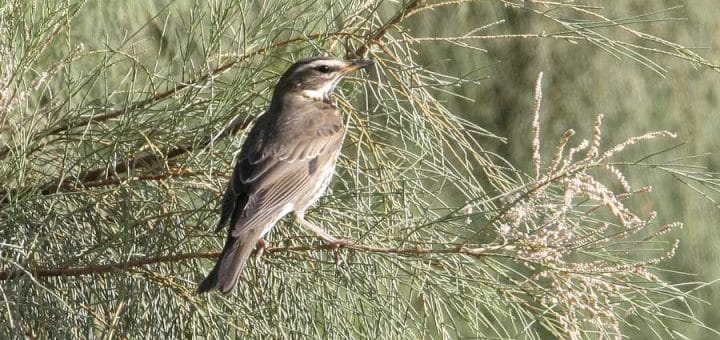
157, 97
147, 161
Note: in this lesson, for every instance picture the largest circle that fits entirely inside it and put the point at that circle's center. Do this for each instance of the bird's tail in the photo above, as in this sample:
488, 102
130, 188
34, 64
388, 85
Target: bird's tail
224, 276
210, 282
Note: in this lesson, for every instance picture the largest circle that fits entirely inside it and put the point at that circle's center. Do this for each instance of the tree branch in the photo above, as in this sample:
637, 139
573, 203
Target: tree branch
147, 261
382, 30
76, 183
110, 181
71, 184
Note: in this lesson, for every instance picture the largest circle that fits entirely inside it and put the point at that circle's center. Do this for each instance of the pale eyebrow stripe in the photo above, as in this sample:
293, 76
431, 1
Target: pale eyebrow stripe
332, 63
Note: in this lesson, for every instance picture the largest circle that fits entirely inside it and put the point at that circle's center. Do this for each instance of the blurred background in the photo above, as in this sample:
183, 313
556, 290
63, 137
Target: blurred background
582, 81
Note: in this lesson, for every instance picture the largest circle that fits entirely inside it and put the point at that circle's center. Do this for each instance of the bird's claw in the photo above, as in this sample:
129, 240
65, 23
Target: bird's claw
260, 248
337, 257
336, 244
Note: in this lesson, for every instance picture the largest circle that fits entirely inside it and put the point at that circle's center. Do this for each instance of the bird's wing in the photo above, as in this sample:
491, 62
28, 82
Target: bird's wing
273, 169
286, 164
236, 194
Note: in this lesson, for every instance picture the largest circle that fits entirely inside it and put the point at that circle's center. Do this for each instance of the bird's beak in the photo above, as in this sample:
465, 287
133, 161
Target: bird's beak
356, 65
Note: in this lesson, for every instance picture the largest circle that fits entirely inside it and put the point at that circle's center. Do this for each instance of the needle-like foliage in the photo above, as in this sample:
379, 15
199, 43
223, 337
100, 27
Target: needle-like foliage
119, 122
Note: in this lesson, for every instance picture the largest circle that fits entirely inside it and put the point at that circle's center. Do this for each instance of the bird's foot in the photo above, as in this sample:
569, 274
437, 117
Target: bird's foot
336, 244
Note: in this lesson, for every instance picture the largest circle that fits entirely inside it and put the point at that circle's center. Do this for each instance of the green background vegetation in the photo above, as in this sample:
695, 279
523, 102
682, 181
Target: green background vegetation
582, 81
493, 88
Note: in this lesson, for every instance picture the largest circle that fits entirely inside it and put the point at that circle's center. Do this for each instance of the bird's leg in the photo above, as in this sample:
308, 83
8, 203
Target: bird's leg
334, 242
260, 248
300, 218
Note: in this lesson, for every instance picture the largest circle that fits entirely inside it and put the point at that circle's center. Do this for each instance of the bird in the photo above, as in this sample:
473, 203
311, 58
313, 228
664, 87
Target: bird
285, 164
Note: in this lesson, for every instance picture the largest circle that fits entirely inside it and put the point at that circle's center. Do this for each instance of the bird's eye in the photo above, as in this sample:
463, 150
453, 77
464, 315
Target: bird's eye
323, 69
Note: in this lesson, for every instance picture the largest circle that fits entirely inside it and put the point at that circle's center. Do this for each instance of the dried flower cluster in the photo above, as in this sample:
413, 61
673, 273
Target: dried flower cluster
574, 233
7, 91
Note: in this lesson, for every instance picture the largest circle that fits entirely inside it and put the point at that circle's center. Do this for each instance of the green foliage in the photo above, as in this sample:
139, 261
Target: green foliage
119, 122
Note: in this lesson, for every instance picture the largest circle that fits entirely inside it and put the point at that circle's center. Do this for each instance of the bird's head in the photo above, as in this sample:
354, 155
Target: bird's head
316, 78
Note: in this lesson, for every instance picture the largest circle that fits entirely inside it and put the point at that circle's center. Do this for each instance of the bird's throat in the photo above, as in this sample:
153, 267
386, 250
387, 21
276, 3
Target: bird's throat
316, 94
324, 93
320, 96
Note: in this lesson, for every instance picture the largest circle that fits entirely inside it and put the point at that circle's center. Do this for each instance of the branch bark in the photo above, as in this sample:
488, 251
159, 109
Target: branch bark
382, 30
151, 260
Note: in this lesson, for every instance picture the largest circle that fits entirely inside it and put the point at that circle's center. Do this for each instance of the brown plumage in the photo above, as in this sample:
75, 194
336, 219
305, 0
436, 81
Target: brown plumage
285, 164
